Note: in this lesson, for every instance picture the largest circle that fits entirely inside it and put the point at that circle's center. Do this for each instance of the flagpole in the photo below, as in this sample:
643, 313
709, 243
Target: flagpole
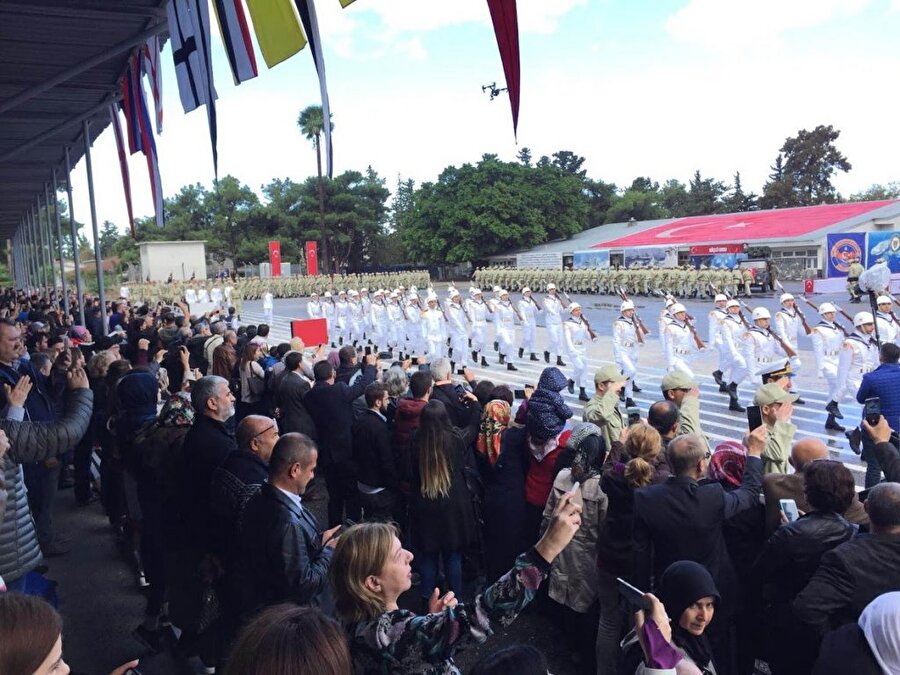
59, 243
98, 260
49, 234
76, 256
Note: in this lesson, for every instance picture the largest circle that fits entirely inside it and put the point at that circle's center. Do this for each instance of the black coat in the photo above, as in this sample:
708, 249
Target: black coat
846, 650
294, 416
849, 577
206, 446
331, 408
373, 452
235, 481
889, 459
281, 554
458, 410
682, 520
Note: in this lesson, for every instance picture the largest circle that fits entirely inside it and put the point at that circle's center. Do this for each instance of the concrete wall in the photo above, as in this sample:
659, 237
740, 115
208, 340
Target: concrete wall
181, 259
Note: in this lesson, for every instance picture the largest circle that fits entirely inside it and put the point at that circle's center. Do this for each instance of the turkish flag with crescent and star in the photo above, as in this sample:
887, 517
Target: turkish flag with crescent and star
275, 257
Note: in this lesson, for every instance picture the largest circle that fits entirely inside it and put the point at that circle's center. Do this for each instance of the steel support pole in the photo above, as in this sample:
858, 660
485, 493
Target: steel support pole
39, 240
97, 258
76, 256
25, 258
35, 250
59, 245
50, 244
45, 249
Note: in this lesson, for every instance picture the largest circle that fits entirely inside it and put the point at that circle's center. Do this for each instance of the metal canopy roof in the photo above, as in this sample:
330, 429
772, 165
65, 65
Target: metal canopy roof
60, 63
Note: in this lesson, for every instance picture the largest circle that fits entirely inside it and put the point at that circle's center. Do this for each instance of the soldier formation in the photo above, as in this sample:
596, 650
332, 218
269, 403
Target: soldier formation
684, 281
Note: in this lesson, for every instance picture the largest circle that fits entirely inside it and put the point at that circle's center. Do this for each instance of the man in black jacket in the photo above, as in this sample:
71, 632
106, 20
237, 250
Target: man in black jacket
284, 555
292, 388
377, 477
856, 572
883, 439
330, 404
445, 391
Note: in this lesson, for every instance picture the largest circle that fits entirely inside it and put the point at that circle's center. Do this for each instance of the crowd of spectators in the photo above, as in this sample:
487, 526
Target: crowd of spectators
294, 510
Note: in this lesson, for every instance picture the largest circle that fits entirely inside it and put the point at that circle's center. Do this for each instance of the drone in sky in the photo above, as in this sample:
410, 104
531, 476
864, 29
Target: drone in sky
492, 87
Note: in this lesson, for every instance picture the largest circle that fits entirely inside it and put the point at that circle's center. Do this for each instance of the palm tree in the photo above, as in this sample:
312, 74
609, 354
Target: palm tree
312, 124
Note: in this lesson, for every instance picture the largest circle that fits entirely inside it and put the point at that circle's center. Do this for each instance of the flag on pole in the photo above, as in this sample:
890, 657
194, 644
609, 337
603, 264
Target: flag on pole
123, 162
131, 87
149, 145
236, 38
151, 67
277, 29
307, 10
346, 3
506, 28
189, 31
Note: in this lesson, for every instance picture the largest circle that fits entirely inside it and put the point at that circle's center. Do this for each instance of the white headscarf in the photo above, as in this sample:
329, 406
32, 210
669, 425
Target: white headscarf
880, 623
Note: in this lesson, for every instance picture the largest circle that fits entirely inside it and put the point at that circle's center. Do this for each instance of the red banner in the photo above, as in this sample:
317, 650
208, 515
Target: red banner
275, 257
716, 249
312, 258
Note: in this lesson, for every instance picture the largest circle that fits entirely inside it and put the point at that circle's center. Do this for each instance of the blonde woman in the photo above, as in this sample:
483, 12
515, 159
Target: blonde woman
370, 570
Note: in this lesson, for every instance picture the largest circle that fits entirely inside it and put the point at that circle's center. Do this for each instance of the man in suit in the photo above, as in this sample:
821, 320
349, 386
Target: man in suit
330, 404
377, 478
284, 556
778, 486
853, 574
292, 388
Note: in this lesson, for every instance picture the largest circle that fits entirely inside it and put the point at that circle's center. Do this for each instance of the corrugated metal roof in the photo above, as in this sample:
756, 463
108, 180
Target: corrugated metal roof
40, 42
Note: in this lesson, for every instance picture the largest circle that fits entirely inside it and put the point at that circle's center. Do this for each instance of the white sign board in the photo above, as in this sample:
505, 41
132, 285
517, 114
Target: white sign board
542, 261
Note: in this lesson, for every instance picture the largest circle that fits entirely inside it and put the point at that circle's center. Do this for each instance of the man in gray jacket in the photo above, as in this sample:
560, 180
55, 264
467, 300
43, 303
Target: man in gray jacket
33, 442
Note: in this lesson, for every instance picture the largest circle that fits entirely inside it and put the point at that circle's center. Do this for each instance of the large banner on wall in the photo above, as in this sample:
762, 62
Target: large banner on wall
543, 261
841, 249
656, 256
590, 260
883, 245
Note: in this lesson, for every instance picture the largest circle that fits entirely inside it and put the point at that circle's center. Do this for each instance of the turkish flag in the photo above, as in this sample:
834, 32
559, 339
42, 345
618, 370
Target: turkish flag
275, 257
312, 258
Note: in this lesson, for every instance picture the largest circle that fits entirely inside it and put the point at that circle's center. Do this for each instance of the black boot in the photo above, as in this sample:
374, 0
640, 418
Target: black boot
734, 405
534, 357
723, 388
570, 385
635, 388
521, 351
547, 357
832, 425
622, 395
510, 366
854, 437
475, 356
717, 376
833, 410
484, 363
496, 346
560, 362
629, 403
582, 394
501, 360
450, 352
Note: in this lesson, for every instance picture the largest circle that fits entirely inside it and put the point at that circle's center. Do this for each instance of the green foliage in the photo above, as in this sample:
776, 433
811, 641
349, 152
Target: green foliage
877, 192
637, 204
738, 200
475, 211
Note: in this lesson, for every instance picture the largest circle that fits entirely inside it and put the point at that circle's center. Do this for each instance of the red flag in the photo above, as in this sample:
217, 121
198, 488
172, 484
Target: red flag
312, 258
506, 28
123, 163
275, 257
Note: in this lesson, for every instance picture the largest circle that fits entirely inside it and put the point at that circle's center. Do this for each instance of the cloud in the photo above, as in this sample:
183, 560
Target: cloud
739, 24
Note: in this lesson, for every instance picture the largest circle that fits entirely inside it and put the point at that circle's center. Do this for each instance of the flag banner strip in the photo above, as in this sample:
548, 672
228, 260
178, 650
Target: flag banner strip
277, 29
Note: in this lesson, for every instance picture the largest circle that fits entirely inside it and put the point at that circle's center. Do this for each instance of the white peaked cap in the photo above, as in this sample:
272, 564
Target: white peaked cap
827, 307
574, 306
627, 304
732, 303
761, 313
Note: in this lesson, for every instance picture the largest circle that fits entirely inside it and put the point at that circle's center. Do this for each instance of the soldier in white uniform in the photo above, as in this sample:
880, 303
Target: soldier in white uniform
124, 292
734, 365
577, 337
505, 324
789, 325
203, 294
342, 318
366, 304
628, 336
190, 295
478, 313
229, 294
458, 325
858, 355
396, 329
528, 310
762, 351
665, 318
888, 330
314, 308
434, 329
415, 344
268, 305
215, 295
716, 317
357, 324
827, 338
553, 320
378, 320
329, 311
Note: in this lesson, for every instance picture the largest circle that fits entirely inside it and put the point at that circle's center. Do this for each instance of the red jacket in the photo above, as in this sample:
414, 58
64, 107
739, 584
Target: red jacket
406, 420
539, 480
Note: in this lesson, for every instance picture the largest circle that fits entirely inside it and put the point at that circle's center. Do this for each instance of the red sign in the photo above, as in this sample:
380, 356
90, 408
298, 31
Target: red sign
716, 249
275, 257
312, 258
313, 332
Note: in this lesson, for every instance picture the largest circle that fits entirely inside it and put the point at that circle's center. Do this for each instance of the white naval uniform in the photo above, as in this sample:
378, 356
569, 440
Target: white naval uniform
268, 306
577, 338
366, 316
732, 362
827, 339
229, 294
396, 331
529, 310
203, 295
190, 296
124, 292
329, 311
505, 324
625, 350
433, 330
415, 343
378, 318
342, 320
716, 317
315, 310
888, 330
478, 312
789, 326
553, 321
761, 351
858, 356
664, 320
357, 322
459, 334
215, 295
680, 347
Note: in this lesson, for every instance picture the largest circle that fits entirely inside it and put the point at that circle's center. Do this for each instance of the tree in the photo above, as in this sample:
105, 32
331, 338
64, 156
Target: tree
600, 197
312, 124
109, 235
402, 203
877, 192
704, 195
674, 199
524, 156
637, 204
229, 207
778, 192
739, 201
807, 162
568, 162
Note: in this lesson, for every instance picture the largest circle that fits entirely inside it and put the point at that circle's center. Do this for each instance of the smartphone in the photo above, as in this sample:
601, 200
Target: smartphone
872, 410
789, 509
754, 416
633, 596
519, 393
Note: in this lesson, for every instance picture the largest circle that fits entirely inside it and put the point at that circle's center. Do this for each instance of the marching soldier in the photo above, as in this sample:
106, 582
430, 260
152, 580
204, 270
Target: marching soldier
366, 304
396, 332
827, 339
355, 311
788, 324
314, 309
478, 312
681, 346
457, 324
762, 350
737, 281
505, 324
716, 317
378, 320
329, 311
747, 276
628, 336
853, 274
268, 306
433, 329
734, 364
858, 356
342, 317
577, 336
888, 330
703, 280
553, 320
528, 309
415, 340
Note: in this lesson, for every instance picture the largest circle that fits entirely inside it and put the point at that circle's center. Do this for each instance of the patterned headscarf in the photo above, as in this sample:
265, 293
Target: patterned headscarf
177, 411
494, 421
727, 464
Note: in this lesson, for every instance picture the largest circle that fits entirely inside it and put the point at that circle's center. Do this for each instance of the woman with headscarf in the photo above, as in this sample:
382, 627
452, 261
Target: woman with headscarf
573, 577
871, 646
687, 596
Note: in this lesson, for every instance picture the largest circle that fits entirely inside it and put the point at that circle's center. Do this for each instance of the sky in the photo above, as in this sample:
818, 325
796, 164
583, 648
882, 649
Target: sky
638, 88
